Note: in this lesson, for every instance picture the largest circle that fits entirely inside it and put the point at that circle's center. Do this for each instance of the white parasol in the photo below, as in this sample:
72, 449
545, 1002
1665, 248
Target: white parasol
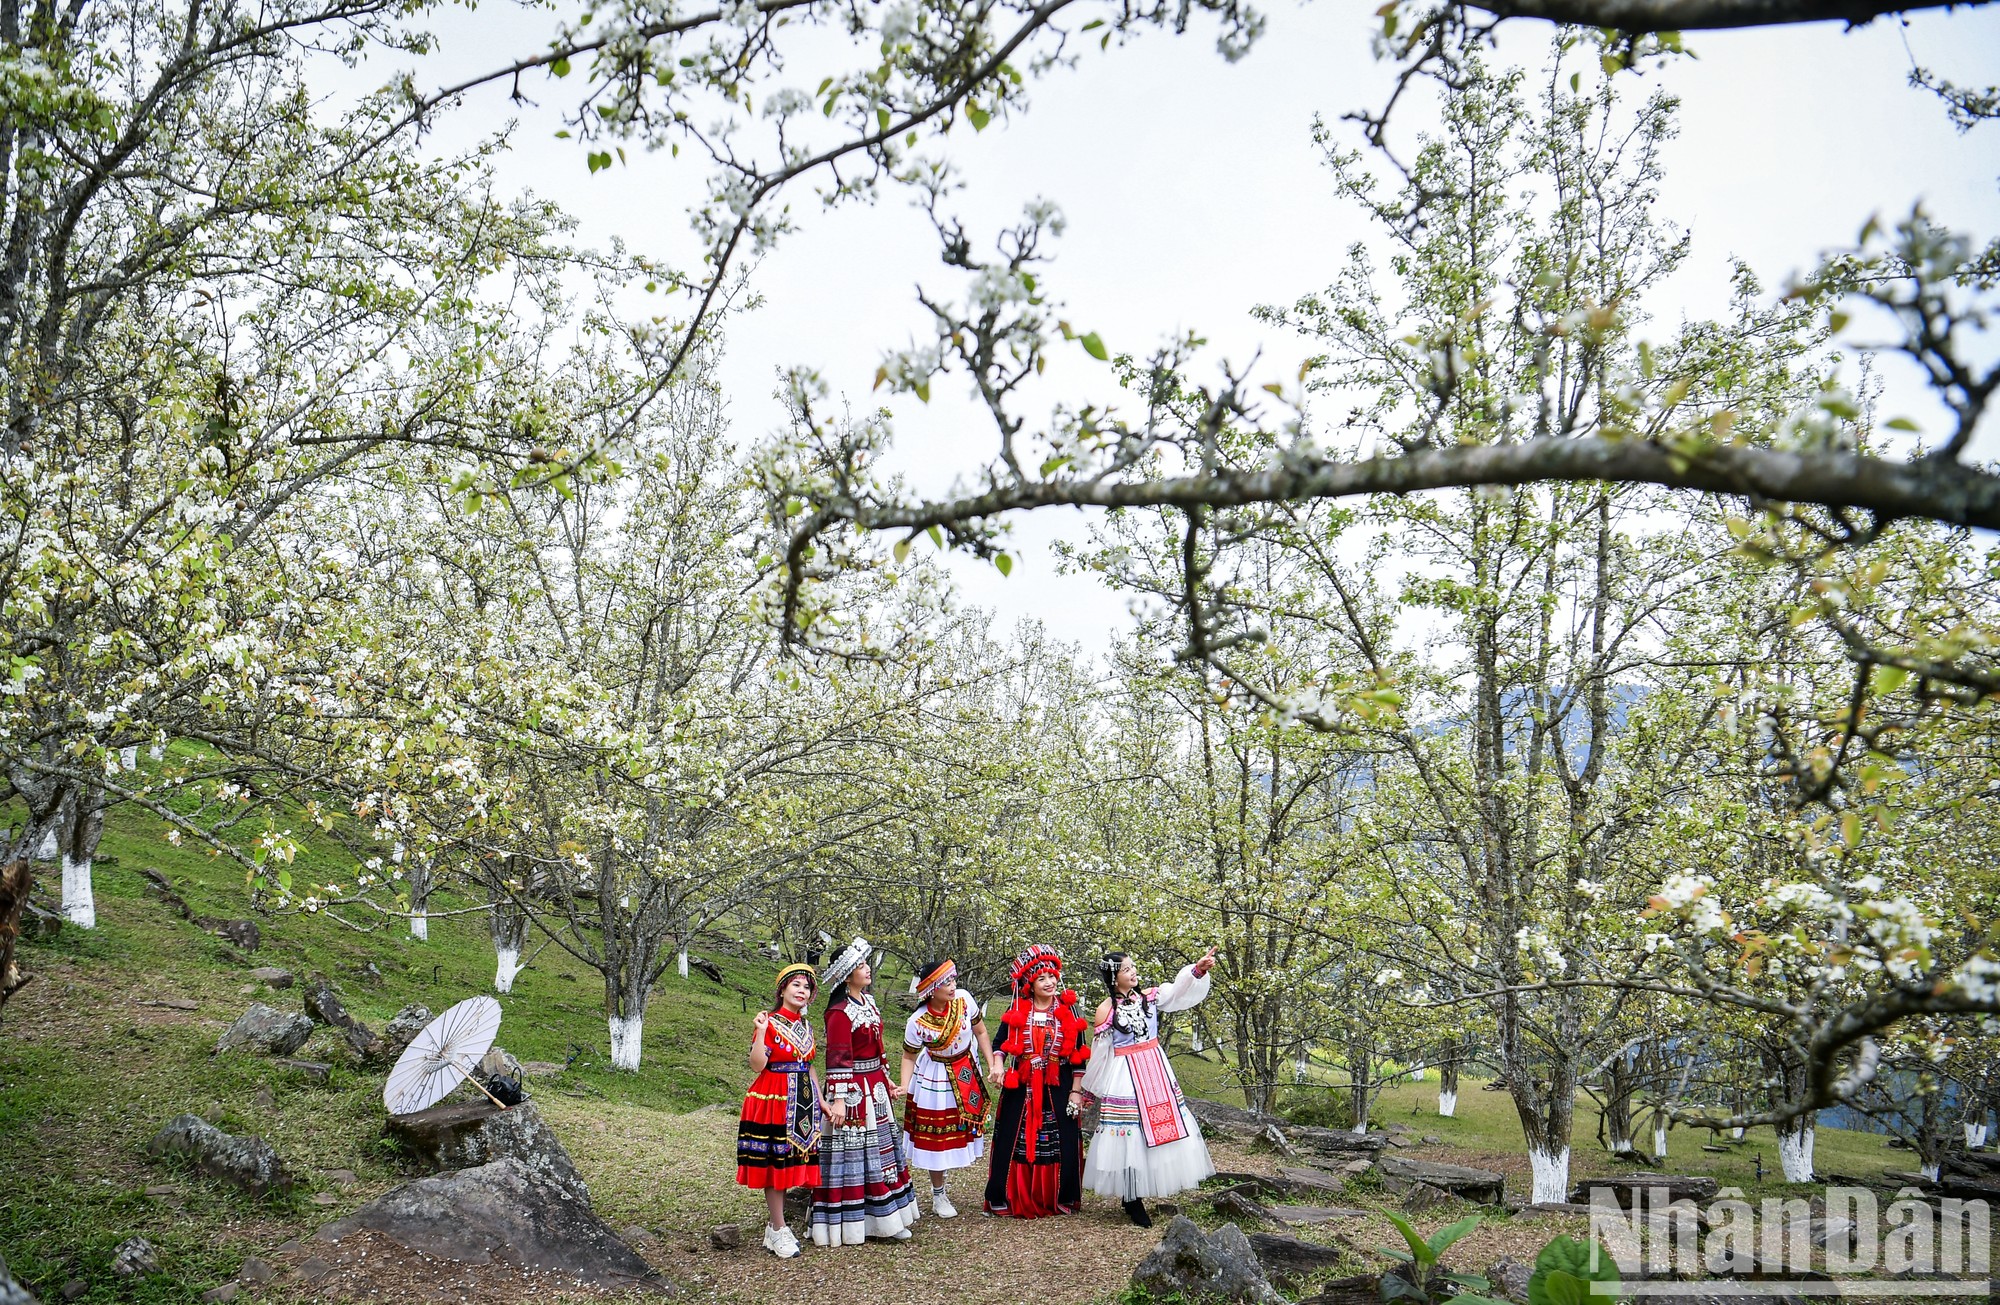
441, 1057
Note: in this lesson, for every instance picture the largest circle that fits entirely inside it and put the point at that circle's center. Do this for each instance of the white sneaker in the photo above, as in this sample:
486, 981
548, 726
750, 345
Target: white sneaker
781, 1242
941, 1205
903, 1234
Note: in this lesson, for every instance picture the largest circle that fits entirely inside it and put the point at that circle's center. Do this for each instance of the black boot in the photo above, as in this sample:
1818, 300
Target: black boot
1135, 1210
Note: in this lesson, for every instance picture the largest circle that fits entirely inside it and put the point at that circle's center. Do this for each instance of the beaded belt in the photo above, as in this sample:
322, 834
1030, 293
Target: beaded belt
788, 1066
868, 1065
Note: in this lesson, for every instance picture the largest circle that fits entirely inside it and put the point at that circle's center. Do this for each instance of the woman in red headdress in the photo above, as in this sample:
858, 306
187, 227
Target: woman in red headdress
1037, 1166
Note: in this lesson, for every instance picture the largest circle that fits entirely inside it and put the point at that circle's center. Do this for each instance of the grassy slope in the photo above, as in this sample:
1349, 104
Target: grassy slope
88, 1072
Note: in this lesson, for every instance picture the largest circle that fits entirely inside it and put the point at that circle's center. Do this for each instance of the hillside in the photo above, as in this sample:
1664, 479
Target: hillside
113, 1038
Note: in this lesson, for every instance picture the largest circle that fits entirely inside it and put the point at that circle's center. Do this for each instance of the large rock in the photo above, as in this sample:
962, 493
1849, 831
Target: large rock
1287, 1259
1480, 1186
1219, 1116
323, 1004
503, 1211
243, 933
404, 1025
1336, 1141
464, 1136
1199, 1266
267, 1032
247, 1162
1665, 1188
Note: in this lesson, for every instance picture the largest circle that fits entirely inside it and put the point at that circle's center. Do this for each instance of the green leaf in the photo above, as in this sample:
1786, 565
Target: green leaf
1888, 679
1094, 346
977, 116
1572, 1259
1004, 564
937, 536
1441, 1240
1901, 423
902, 549
1565, 1288
560, 68
1419, 1248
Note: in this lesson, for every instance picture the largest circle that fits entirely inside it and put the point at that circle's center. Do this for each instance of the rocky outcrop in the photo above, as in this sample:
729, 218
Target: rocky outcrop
1288, 1260
1401, 1174
502, 1212
246, 1162
1194, 1265
267, 1032
463, 1136
1626, 1188
404, 1025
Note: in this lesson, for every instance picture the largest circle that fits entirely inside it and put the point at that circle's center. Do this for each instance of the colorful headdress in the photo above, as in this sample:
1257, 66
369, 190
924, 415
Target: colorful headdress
1030, 965
791, 972
939, 975
843, 964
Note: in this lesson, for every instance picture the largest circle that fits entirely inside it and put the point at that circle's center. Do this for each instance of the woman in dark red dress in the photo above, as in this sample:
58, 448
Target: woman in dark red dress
777, 1136
864, 1184
1037, 1166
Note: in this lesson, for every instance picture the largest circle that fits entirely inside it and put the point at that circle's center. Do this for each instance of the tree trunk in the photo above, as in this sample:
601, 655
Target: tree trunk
509, 923
1975, 1135
626, 1016
1795, 1149
1360, 1058
1448, 1082
79, 826
420, 898
1660, 1138
1618, 1105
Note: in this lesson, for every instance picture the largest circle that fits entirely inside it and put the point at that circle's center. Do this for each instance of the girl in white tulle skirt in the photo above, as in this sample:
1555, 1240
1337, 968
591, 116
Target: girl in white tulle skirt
1147, 1142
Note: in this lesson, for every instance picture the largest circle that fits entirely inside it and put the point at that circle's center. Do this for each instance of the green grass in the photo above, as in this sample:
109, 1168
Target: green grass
88, 1073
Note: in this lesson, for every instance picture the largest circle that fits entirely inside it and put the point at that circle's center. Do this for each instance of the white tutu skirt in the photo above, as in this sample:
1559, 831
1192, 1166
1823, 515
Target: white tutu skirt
1119, 1164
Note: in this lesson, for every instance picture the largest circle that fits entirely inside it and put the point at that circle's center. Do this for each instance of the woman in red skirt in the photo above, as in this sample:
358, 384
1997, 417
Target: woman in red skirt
777, 1138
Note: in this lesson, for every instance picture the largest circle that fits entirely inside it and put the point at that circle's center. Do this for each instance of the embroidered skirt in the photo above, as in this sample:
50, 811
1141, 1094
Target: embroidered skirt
1147, 1143
777, 1136
864, 1182
942, 1133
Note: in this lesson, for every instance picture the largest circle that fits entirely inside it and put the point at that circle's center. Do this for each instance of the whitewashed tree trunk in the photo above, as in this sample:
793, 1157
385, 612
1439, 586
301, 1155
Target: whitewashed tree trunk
1975, 1136
128, 756
681, 962
1659, 1141
1795, 1151
625, 1031
1551, 1175
508, 924
1736, 1134
1448, 1102
507, 964
1930, 1169
1194, 1044
79, 901
46, 849
79, 826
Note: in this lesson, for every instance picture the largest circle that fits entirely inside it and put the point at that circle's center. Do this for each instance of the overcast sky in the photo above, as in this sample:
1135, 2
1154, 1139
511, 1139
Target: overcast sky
1193, 193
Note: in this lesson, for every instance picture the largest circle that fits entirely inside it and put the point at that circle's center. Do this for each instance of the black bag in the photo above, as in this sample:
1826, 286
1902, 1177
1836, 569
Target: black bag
507, 1091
